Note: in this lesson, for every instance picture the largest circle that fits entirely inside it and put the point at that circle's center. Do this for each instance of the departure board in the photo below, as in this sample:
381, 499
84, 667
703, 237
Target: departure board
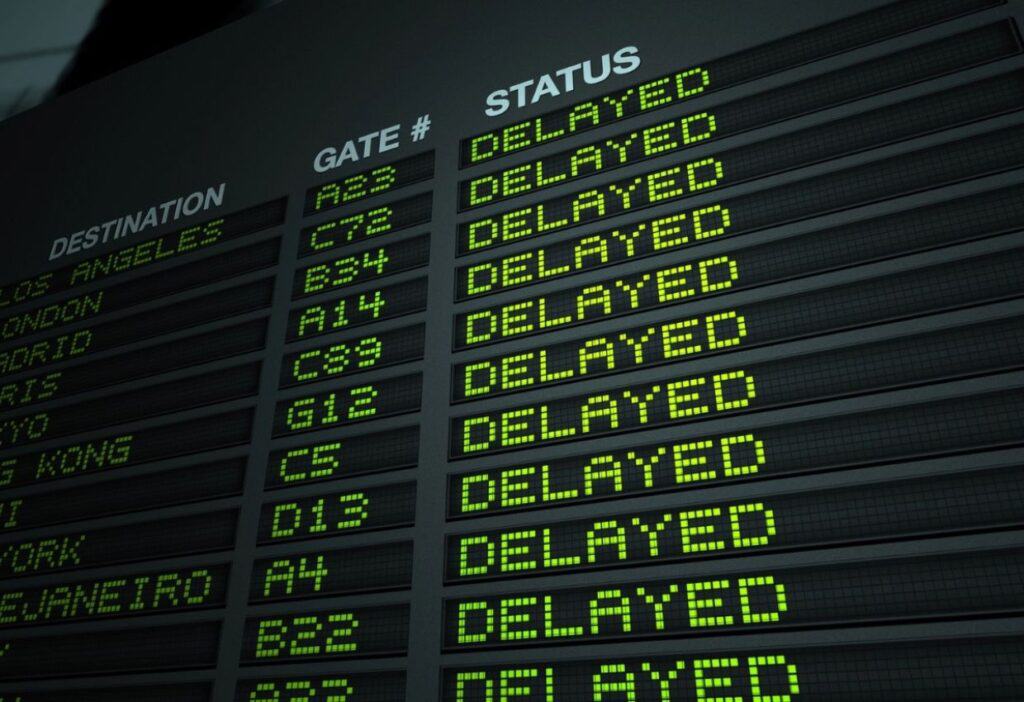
531, 352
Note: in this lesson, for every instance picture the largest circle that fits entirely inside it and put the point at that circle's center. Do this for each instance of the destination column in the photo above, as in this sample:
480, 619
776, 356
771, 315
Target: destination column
127, 389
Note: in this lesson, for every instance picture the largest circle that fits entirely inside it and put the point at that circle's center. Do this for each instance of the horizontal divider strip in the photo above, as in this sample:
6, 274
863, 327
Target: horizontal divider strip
790, 521
111, 410
328, 573
197, 237
350, 456
357, 309
181, 646
337, 512
788, 52
903, 361
145, 541
350, 356
134, 365
362, 266
681, 180
753, 599
727, 328
900, 69
694, 460
127, 448
123, 595
174, 317
136, 493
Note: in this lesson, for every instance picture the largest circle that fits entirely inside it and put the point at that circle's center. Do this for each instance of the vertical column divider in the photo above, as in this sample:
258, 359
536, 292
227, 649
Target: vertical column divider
423, 677
237, 604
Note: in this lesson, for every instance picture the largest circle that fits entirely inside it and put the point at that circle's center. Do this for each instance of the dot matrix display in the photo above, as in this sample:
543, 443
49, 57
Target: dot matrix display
635, 292
139, 290
682, 228
738, 327
86, 548
127, 493
886, 671
736, 68
198, 692
327, 634
621, 150
759, 598
130, 594
340, 687
196, 237
961, 219
365, 225
321, 573
353, 355
685, 178
362, 266
718, 121
369, 183
334, 459
698, 459
131, 365
125, 449
103, 336
770, 522
741, 388
884, 179
157, 648
357, 309
348, 405
162, 398
338, 512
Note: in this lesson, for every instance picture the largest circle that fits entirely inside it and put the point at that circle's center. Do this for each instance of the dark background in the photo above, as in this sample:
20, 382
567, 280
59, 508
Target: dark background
253, 102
